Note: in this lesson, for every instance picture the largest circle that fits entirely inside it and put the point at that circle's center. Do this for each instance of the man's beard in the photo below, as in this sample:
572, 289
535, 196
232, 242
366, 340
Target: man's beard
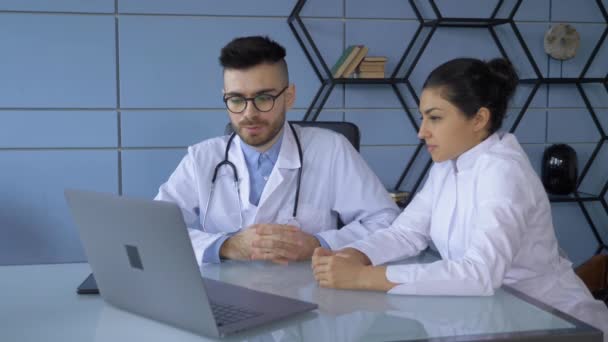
260, 139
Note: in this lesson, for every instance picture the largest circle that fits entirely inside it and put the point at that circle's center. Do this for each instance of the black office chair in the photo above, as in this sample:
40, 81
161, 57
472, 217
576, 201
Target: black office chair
347, 129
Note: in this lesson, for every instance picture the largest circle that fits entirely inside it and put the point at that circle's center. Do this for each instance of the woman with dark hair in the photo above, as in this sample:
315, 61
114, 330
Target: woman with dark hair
483, 207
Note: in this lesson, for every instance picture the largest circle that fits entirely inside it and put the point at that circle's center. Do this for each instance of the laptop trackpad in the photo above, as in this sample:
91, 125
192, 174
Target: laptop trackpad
268, 307
225, 293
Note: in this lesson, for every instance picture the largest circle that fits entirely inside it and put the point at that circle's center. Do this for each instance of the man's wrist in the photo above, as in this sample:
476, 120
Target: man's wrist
211, 254
226, 248
323, 243
316, 242
311, 242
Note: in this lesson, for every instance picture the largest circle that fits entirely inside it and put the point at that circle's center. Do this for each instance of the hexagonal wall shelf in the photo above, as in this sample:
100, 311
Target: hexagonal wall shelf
410, 58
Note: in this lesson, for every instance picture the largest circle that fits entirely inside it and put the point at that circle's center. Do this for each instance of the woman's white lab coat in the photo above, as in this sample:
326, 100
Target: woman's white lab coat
335, 181
490, 219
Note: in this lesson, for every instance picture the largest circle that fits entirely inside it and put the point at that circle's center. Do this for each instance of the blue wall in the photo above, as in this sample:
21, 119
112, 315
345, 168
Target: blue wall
105, 95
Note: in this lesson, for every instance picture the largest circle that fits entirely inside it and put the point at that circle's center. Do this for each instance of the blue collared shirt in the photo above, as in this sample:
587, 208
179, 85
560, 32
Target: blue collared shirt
260, 166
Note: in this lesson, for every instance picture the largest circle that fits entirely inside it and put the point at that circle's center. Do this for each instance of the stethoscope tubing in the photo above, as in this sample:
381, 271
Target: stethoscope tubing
227, 162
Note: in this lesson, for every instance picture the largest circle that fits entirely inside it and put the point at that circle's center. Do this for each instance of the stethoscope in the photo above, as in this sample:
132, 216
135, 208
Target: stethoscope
228, 163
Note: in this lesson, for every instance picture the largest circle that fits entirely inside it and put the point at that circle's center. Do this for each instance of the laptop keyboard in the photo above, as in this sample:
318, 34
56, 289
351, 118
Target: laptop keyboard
227, 314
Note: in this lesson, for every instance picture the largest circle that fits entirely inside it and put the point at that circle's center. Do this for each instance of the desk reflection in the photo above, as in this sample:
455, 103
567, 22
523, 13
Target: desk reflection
346, 315
116, 325
42, 305
353, 315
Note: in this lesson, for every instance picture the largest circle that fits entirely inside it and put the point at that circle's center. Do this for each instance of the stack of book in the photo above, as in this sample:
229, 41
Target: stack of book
371, 67
348, 62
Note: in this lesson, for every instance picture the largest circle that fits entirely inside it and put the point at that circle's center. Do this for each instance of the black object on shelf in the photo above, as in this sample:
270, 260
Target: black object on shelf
559, 169
578, 82
399, 82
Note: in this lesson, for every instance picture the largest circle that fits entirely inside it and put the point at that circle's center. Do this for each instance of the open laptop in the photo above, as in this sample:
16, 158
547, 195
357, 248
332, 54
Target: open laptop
143, 261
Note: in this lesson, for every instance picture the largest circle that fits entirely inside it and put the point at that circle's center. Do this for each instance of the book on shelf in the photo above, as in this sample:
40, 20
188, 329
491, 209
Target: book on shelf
347, 56
375, 59
364, 62
372, 67
368, 67
340, 60
370, 74
355, 62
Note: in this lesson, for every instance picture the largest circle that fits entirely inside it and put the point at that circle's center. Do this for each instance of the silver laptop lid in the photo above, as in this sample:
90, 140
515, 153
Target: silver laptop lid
137, 261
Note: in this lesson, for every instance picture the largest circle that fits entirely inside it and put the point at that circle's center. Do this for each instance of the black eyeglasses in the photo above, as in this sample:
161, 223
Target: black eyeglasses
263, 102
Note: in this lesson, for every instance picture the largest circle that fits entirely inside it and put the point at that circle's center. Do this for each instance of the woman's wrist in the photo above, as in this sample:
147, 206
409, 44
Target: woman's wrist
374, 278
355, 253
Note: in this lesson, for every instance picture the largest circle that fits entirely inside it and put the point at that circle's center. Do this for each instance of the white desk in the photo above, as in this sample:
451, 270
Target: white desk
39, 303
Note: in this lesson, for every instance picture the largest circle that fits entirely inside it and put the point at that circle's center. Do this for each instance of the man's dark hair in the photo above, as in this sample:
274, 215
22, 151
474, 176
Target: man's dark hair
246, 52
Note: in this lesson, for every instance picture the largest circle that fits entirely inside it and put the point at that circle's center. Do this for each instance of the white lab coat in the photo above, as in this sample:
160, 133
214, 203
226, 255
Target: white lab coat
490, 219
335, 181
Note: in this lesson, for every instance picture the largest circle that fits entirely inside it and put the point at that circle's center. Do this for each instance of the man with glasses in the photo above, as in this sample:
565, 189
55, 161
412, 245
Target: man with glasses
238, 195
